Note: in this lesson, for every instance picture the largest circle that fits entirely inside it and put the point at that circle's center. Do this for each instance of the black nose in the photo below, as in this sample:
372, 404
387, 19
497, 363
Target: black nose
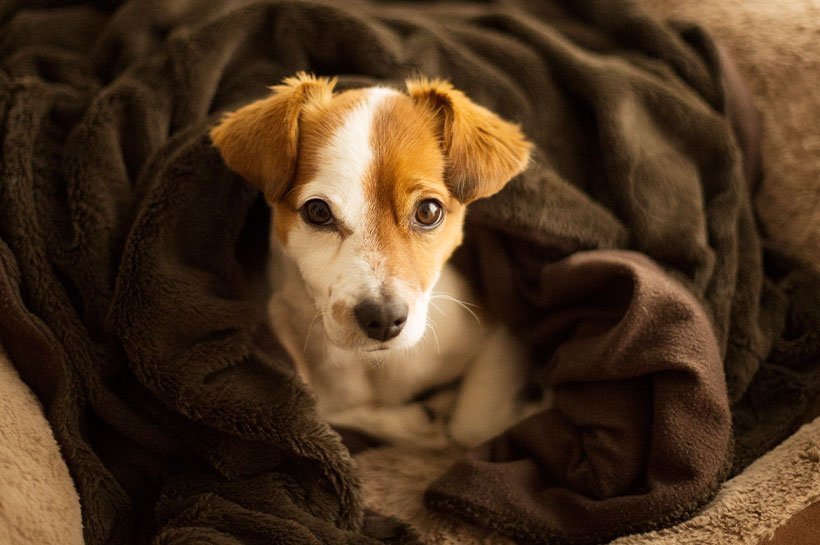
381, 319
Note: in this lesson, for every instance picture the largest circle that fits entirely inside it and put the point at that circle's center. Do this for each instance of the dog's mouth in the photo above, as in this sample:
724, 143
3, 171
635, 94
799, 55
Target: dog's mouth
380, 348
352, 341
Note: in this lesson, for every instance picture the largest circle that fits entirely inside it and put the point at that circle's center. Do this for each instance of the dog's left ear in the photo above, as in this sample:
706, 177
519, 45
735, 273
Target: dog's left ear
259, 141
483, 151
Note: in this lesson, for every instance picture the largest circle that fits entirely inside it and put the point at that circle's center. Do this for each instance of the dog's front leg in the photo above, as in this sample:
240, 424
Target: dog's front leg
492, 397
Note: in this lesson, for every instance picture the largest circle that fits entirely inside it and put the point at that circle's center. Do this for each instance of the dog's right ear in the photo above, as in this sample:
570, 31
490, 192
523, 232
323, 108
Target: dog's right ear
483, 151
259, 141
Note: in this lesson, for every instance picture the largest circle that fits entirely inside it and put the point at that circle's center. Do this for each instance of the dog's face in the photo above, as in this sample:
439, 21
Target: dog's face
368, 189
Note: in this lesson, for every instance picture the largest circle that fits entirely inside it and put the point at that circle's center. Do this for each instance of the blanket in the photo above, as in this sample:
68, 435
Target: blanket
782, 70
131, 267
773, 495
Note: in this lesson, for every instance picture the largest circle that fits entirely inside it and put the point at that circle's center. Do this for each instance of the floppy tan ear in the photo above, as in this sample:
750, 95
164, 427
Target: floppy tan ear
259, 141
483, 151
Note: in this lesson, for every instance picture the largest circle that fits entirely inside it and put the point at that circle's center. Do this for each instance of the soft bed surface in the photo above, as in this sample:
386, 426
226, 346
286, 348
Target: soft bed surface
38, 502
132, 285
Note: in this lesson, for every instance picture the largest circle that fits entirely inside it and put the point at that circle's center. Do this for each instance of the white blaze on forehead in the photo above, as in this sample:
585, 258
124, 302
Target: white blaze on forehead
345, 159
349, 269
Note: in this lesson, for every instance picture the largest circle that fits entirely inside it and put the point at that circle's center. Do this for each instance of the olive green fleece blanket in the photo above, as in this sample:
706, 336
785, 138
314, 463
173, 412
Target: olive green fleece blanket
132, 286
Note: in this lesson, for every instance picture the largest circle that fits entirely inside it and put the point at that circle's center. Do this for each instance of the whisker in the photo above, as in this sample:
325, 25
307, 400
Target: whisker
377, 364
326, 351
463, 304
330, 352
442, 295
310, 327
435, 335
305, 310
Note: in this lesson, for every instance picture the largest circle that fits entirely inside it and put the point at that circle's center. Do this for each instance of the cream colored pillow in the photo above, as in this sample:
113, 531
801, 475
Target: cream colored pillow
38, 502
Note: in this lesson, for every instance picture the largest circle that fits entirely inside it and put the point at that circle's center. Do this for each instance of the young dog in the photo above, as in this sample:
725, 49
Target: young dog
368, 189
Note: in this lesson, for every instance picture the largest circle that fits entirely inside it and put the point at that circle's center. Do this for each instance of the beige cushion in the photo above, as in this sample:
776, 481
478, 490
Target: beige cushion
38, 502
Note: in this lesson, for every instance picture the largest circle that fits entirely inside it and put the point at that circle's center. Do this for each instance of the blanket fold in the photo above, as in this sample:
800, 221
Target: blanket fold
132, 284
640, 421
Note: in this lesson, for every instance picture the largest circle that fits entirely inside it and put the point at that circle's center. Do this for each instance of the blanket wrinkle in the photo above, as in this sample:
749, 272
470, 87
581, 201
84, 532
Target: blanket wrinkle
769, 494
606, 372
132, 263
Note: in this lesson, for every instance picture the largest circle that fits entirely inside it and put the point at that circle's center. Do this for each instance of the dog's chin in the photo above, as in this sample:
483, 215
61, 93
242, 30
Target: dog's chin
357, 343
375, 348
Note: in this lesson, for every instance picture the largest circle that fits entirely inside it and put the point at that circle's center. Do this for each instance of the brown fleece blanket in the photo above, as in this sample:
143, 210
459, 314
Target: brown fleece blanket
639, 432
131, 267
779, 492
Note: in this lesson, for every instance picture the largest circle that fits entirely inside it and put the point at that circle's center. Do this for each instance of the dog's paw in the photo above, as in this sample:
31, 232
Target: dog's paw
472, 425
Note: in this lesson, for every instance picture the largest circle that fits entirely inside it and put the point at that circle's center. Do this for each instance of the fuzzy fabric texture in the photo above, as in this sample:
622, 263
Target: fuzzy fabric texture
801, 529
38, 502
747, 510
752, 505
131, 294
638, 435
775, 46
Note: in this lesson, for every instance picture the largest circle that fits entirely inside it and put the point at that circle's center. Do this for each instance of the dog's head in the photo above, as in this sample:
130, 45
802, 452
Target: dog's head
368, 189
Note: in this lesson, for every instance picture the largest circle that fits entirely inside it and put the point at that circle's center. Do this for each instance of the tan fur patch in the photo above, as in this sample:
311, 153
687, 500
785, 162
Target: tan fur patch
260, 140
483, 151
340, 311
408, 168
316, 126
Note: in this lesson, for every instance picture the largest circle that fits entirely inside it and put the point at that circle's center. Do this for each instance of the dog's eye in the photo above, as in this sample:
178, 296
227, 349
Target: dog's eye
317, 212
429, 213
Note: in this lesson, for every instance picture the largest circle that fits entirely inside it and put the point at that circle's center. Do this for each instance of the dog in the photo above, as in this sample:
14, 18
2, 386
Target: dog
368, 189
